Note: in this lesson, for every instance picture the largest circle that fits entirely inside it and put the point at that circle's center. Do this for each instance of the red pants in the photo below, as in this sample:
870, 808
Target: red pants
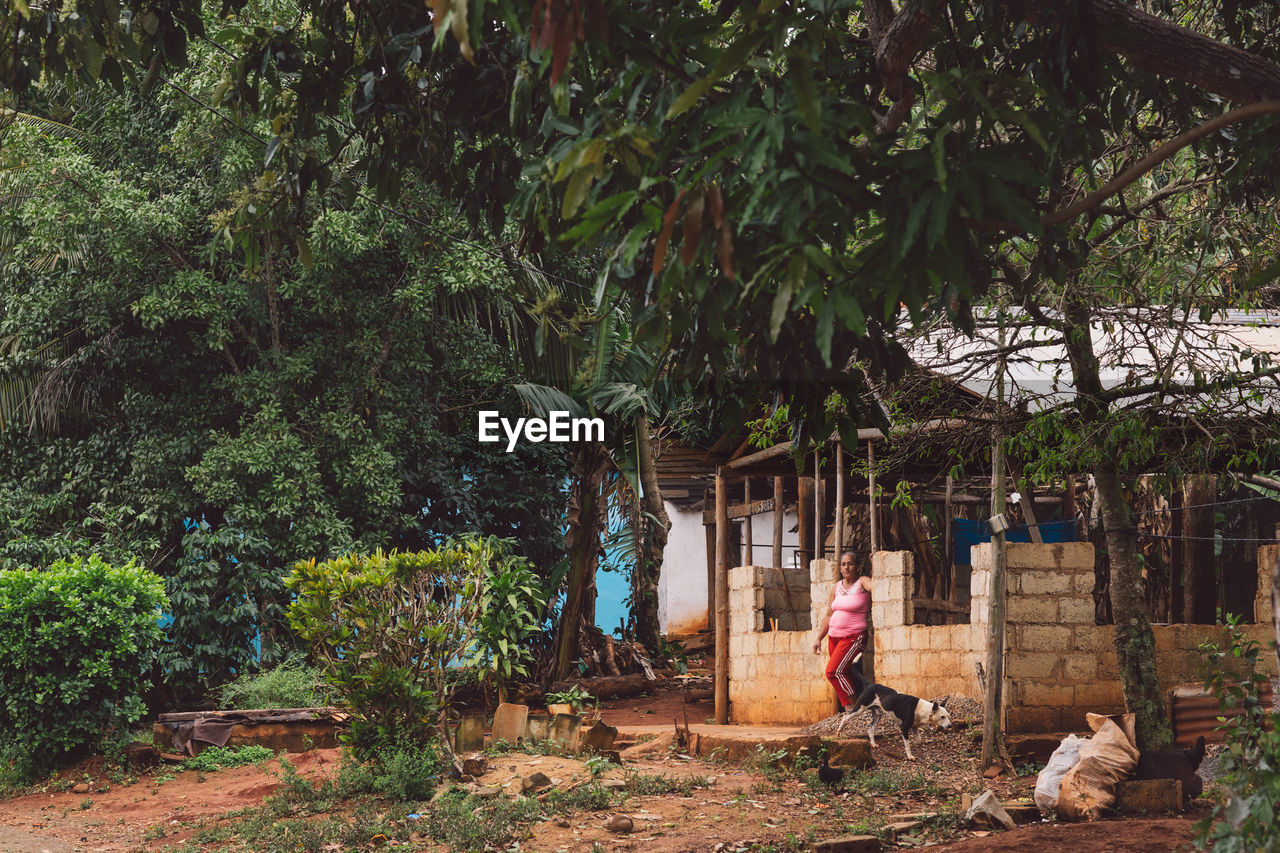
844, 673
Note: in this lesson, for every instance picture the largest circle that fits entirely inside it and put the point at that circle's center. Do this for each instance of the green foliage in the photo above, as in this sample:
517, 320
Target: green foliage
292, 683
573, 695
222, 757
80, 638
388, 627
1244, 818
511, 610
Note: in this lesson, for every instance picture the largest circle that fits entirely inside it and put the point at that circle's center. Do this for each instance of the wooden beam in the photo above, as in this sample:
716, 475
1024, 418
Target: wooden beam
711, 575
839, 499
871, 498
722, 599
804, 509
748, 546
819, 505
740, 511
759, 456
777, 523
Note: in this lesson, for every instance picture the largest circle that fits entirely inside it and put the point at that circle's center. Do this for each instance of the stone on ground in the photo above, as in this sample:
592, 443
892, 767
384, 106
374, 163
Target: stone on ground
848, 844
1149, 795
987, 812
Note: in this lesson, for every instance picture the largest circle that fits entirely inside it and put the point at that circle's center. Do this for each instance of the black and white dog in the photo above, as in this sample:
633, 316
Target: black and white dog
911, 711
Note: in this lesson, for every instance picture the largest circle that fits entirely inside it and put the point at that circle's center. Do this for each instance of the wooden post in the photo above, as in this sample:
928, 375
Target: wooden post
748, 546
948, 547
993, 695
1029, 507
839, 499
804, 509
871, 497
819, 505
711, 576
777, 523
1176, 612
722, 599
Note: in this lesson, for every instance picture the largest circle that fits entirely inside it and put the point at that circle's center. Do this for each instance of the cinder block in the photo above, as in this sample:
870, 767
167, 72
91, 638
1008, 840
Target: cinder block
1079, 667
850, 752
1099, 693
982, 557
1044, 638
1042, 693
1099, 639
891, 564
1023, 719
1084, 582
1076, 610
1149, 795
1023, 609
1058, 557
1024, 665
1044, 583
848, 844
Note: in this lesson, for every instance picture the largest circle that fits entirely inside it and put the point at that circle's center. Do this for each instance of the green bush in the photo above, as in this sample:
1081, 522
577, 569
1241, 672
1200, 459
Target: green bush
215, 758
389, 628
290, 684
1244, 818
76, 643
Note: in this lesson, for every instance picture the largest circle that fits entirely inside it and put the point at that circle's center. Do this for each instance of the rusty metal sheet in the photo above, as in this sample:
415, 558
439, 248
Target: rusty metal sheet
1194, 713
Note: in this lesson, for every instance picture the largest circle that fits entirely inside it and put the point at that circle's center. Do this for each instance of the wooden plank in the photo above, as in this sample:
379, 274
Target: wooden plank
939, 604
804, 509
871, 498
722, 598
777, 523
740, 511
819, 506
748, 545
839, 499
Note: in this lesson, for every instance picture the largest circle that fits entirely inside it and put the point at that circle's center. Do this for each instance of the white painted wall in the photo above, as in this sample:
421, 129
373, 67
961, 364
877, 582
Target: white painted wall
682, 586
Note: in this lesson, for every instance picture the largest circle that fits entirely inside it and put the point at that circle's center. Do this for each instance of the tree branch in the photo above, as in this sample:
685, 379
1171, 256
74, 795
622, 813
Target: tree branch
1155, 158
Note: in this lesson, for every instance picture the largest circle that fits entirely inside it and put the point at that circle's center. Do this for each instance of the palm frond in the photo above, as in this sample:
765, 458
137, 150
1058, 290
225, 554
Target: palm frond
544, 399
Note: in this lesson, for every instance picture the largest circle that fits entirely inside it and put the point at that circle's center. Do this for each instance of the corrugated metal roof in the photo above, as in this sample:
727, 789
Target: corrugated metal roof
1194, 713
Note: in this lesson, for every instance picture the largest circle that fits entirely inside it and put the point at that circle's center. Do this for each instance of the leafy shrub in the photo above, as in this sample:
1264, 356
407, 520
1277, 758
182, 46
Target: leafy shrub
1244, 817
403, 771
77, 639
387, 629
221, 757
217, 596
290, 684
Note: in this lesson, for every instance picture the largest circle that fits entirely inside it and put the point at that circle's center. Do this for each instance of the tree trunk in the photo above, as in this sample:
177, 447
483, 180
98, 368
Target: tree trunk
586, 523
1201, 593
1135, 641
654, 525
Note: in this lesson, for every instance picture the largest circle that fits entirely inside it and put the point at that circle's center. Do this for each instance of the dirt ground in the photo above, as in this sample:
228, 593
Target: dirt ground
741, 807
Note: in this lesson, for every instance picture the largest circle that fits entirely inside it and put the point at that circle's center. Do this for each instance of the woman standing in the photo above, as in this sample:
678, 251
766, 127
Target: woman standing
845, 627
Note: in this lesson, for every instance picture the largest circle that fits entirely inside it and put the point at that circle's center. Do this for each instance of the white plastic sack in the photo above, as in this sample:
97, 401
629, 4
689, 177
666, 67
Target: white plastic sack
1050, 778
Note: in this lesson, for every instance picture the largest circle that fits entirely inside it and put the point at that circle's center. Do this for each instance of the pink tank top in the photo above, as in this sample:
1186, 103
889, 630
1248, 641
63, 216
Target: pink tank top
849, 611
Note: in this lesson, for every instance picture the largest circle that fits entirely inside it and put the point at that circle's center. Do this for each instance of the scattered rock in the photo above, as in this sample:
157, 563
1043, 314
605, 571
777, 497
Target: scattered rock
993, 771
1023, 812
613, 784
141, 756
599, 737
475, 766
905, 827
82, 788
987, 812
563, 823
848, 844
486, 792
509, 722
1149, 795
469, 736
535, 782
620, 824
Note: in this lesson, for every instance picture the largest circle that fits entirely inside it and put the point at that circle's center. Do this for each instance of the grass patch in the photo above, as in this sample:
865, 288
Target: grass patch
657, 783
222, 757
290, 684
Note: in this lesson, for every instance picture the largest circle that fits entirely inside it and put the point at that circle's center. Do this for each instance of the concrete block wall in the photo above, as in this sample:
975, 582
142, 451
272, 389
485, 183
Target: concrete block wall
1058, 664
923, 660
774, 676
